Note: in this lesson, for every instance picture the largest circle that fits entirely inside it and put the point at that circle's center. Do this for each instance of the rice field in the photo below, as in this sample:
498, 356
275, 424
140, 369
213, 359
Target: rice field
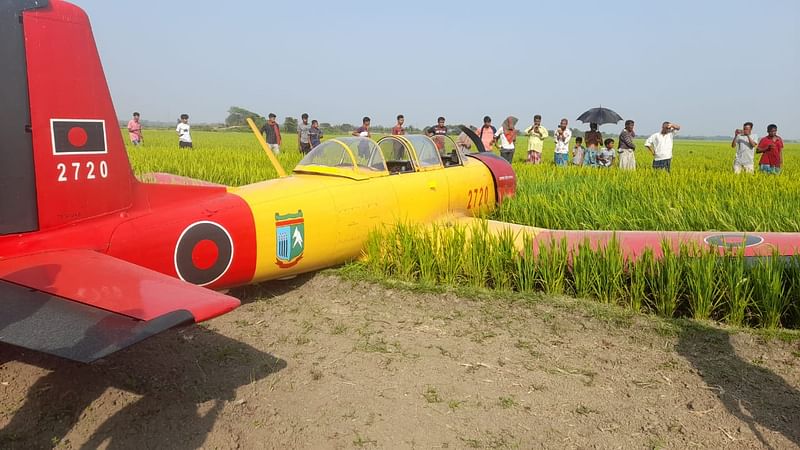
694, 282
701, 193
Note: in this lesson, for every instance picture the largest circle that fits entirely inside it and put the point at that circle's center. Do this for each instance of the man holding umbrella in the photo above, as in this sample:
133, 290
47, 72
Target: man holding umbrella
595, 117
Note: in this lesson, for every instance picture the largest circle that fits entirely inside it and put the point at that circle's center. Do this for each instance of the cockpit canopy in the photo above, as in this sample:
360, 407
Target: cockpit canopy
361, 158
351, 157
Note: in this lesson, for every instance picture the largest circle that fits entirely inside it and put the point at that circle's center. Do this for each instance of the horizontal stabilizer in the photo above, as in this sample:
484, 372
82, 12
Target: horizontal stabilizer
83, 305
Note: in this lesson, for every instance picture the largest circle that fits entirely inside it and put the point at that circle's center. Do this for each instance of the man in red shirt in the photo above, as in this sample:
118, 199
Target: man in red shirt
770, 147
399, 129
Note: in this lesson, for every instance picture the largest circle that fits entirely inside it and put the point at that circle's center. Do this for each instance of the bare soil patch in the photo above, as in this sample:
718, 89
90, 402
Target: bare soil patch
323, 362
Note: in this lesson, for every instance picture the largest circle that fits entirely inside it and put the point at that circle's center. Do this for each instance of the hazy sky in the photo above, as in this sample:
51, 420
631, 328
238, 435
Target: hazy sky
707, 65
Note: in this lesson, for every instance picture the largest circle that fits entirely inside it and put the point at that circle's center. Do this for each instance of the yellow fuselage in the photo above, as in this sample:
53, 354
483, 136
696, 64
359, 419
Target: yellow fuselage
339, 212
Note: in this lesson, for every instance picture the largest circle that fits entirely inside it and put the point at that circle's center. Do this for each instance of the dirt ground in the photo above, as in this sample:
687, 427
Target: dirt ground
323, 362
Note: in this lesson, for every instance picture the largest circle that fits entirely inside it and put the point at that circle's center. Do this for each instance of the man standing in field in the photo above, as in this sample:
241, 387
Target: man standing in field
486, 133
660, 145
562, 136
363, 130
536, 136
135, 130
399, 129
272, 133
745, 142
626, 147
315, 133
437, 133
183, 129
593, 139
303, 141
770, 148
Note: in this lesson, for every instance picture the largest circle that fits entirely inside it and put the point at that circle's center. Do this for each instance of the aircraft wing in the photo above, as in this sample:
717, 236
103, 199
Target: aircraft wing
84, 305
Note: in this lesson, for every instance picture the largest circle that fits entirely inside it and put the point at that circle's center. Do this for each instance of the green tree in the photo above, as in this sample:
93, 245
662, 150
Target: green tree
237, 117
289, 125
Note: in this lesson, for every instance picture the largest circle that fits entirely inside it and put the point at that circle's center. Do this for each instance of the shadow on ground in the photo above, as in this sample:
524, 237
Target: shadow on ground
183, 379
752, 393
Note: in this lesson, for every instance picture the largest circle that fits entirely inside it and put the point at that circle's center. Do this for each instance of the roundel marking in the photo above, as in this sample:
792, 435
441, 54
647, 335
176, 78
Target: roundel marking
77, 137
733, 240
204, 253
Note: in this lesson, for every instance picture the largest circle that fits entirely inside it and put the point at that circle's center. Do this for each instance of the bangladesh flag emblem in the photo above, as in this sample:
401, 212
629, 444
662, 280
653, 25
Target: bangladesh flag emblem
289, 239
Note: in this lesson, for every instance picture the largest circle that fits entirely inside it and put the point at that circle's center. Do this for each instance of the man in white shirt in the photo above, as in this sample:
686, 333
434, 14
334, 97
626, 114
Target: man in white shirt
660, 145
183, 129
562, 136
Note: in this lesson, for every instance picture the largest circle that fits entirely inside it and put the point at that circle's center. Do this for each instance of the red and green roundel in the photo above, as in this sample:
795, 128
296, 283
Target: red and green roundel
289, 239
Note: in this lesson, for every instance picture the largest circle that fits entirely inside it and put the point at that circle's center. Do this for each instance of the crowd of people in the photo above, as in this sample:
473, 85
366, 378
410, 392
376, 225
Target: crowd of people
589, 150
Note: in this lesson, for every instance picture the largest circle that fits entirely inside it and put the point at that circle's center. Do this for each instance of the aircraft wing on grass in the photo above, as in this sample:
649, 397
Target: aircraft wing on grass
83, 305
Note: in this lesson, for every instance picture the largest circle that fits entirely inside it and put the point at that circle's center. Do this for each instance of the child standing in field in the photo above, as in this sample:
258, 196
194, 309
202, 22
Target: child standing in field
578, 152
589, 156
606, 156
315, 133
183, 128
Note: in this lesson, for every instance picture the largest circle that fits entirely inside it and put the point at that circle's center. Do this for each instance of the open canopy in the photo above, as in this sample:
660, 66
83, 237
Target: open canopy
350, 157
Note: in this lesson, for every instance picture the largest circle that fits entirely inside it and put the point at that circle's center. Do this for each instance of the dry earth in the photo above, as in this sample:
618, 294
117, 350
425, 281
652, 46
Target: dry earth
322, 362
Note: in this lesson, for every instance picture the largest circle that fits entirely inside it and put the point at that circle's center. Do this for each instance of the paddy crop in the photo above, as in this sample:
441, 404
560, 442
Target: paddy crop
693, 282
701, 193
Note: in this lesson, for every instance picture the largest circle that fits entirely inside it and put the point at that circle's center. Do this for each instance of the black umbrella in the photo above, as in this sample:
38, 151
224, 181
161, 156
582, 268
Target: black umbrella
599, 116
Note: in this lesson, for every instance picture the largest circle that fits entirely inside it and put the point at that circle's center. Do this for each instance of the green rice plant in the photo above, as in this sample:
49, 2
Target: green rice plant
665, 286
638, 272
425, 248
450, 254
609, 265
768, 292
404, 260
736, 286
476, 256
376, 253
552, 265
526, 266
502, 253
702, 282
584, 273
792, 277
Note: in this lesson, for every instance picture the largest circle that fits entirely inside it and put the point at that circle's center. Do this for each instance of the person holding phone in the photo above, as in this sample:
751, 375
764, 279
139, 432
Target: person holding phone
562, 136
745, 142
536, 136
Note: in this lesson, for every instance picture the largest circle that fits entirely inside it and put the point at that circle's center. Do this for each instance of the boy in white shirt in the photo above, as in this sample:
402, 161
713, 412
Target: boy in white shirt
605, 157
184, 138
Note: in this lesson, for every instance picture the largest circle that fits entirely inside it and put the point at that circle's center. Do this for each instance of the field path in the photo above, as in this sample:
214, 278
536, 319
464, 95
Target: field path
322, 362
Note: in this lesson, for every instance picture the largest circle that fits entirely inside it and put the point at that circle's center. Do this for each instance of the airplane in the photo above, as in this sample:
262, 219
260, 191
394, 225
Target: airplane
93, 260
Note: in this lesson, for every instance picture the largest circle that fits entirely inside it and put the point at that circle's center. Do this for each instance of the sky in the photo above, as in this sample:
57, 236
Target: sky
707, 65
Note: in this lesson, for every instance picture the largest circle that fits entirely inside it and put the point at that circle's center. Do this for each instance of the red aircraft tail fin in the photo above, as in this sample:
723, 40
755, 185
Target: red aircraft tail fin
62, 151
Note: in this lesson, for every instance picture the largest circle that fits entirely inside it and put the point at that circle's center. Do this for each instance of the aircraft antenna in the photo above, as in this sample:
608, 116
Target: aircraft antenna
272, 158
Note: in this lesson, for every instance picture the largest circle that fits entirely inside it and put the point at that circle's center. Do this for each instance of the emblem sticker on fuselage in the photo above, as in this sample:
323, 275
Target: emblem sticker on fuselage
289, 239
